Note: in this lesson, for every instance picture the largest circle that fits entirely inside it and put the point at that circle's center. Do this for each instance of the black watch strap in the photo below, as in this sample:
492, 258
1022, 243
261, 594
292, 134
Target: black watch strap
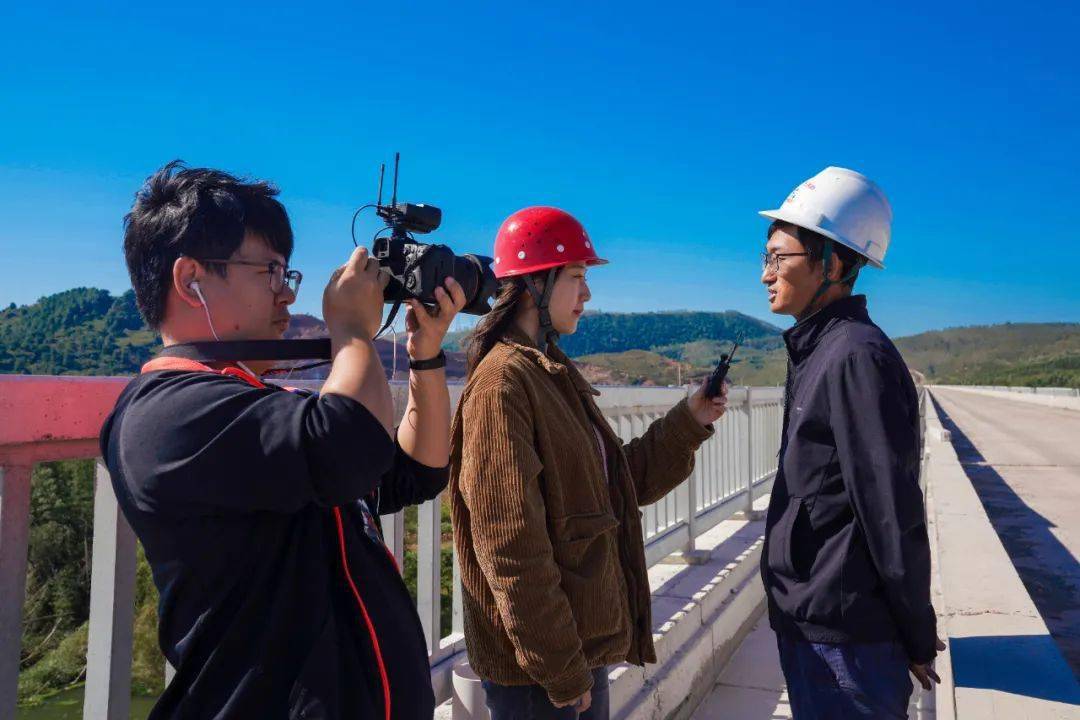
434, 363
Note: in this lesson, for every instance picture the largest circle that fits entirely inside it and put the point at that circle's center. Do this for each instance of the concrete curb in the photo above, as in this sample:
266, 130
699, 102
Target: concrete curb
693, 647
944, 693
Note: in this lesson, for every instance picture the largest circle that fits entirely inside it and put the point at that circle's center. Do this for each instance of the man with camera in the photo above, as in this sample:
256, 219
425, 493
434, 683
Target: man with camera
257, 506
846, 562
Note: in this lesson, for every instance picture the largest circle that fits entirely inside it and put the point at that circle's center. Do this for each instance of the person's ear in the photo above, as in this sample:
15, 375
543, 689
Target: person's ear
836, 268
185, 273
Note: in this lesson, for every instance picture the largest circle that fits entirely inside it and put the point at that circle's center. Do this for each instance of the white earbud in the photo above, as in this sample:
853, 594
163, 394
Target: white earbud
194, 285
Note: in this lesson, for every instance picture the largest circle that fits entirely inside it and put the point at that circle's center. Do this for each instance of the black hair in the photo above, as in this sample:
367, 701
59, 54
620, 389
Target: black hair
814, 244
200, 213
493, 326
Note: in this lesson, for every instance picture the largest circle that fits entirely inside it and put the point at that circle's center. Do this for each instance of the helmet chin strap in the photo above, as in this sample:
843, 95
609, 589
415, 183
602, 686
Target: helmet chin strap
542, 300
826, 283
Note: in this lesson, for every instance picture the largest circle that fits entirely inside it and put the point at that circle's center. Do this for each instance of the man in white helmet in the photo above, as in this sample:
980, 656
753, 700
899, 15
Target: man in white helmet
846, 563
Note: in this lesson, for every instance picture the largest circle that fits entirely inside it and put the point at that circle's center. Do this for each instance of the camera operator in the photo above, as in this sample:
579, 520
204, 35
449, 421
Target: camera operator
256, 506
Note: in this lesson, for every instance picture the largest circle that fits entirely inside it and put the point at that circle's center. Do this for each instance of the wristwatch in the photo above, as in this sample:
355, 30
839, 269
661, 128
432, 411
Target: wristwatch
434, 363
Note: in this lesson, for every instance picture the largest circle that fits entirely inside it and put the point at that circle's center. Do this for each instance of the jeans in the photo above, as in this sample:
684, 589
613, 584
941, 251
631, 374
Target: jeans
530, 702
841, 681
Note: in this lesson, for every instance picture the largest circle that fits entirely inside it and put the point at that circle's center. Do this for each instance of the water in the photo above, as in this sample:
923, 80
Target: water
68, 705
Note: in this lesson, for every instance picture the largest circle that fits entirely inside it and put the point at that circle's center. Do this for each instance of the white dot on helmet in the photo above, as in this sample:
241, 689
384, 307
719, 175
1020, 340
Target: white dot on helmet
560, 248
521, 255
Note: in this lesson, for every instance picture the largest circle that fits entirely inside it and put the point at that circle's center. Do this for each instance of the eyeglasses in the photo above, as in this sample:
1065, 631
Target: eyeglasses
280, 275
771, 261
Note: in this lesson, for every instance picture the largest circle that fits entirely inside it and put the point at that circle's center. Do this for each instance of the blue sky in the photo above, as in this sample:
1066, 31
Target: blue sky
663, 131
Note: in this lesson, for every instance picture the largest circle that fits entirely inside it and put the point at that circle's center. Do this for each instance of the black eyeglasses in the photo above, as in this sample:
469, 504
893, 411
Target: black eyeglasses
280, 275
772, 260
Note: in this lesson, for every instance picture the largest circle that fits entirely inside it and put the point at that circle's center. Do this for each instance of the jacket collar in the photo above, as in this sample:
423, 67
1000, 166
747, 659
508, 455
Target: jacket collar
554, 361
807, 333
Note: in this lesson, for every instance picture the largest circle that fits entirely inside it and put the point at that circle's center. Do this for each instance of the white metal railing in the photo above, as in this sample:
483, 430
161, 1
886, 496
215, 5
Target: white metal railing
45, 419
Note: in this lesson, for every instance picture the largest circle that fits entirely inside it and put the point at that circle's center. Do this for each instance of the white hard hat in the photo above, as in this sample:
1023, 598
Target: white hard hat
843, 206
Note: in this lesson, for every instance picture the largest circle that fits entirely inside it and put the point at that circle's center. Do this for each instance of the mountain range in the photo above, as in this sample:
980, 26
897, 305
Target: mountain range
87, 331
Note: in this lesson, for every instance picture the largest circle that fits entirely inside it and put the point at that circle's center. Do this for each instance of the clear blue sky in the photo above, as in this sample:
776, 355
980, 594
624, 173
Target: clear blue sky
663, 128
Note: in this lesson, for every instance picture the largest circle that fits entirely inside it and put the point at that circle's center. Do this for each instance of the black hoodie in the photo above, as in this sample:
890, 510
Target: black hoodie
846, 556
255, 507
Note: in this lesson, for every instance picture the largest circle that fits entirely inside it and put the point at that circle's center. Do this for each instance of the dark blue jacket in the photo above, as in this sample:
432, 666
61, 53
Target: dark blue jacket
254, 506
846, 556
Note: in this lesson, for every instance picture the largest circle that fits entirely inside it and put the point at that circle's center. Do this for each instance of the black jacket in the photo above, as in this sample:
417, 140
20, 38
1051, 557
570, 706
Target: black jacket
232, 490
846, 556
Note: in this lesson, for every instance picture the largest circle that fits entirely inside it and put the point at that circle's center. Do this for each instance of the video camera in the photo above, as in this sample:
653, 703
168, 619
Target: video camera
417, 268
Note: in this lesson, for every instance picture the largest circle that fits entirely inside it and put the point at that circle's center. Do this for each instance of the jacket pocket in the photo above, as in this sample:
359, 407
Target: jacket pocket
586, 553
791, 528
574, 535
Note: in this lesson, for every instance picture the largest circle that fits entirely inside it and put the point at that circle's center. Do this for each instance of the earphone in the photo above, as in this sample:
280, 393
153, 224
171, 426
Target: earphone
194, 285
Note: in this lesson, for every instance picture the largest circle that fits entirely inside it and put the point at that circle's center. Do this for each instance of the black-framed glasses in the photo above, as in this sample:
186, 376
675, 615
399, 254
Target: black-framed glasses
771, 261
280, 275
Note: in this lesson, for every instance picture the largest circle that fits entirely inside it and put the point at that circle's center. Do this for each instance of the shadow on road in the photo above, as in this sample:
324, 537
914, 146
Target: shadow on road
1016, 664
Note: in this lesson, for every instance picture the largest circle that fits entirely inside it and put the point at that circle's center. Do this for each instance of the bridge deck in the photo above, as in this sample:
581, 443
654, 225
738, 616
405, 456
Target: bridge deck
1024, 462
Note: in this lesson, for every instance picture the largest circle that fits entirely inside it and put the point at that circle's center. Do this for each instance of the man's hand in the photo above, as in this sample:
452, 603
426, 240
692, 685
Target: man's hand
708, 411
925, 673
353, 299
427, 328
580, 704
352, 308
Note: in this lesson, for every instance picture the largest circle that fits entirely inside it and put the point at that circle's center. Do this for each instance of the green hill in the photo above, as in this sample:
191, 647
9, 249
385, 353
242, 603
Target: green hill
616, 332
1033, 354
87, 331
84, 331
662, 348
647, 348
661, 366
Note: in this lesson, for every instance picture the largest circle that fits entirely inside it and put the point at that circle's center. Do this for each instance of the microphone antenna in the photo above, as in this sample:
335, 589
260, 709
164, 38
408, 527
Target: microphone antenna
397, 159
382, 172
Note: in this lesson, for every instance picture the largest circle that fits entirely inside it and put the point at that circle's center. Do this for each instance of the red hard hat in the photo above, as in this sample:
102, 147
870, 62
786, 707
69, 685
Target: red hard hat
539, 238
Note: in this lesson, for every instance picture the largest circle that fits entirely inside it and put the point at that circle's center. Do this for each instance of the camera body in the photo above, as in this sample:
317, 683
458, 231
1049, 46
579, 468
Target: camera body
417, 268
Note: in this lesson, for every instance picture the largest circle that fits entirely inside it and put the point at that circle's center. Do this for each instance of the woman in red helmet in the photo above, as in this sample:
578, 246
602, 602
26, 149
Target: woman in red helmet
545, 496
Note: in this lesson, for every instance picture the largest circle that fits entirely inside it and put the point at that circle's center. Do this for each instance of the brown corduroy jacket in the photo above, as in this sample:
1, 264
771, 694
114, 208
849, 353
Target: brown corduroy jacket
552, 561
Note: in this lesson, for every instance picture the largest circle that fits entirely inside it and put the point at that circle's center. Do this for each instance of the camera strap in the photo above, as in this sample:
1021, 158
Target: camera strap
231, 350
398, 300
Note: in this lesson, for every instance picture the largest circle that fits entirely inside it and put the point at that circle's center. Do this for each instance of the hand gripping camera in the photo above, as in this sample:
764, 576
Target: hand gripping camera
417, 268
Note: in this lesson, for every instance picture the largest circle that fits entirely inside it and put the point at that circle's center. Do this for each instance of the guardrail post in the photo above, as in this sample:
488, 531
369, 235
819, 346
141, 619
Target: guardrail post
749, 452
393, 527
687, 507
14, 538
686, 502
457, 617
112, 607
429, 567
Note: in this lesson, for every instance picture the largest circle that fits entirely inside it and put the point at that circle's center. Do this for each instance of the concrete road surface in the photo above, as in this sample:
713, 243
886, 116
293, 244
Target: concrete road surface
1024, 462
